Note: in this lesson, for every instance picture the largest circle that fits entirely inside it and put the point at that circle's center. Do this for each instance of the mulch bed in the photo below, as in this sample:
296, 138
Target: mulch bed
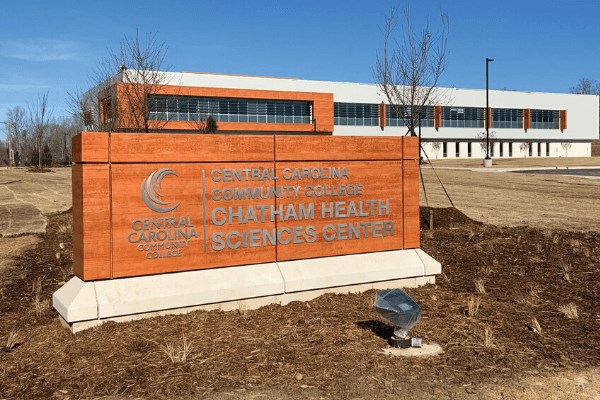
328, 347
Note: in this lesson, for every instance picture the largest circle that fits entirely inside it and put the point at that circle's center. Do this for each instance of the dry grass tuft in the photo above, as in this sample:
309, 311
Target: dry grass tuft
569, 310
534, 291
176, 353
488, 338
39, 306
445, 277
12, 341
480, 286
535, 326
586, 252
539, 248
566, 268
547, 233
575, 243
555, 239
473, 306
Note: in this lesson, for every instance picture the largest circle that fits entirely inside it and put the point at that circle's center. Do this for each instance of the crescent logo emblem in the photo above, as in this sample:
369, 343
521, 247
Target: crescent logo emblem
151, 191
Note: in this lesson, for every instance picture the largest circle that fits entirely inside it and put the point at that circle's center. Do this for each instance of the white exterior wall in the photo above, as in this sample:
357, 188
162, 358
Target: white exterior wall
582, 112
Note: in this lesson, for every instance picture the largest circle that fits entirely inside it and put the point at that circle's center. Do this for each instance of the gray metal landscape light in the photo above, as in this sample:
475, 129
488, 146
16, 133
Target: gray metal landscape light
397, 308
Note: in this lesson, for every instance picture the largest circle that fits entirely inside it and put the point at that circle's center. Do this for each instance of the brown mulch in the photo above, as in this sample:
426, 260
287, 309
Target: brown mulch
328, 347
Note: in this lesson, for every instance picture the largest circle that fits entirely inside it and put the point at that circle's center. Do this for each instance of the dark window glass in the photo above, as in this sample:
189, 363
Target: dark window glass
357, 114
545, 119
393, 119
507, 118
462, 117
185, 108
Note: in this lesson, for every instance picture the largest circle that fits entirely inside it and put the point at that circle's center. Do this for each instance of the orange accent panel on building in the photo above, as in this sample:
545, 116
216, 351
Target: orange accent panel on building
382, 115
488, 118
563, 120
232, 200
322, 109
527, 118
437, 120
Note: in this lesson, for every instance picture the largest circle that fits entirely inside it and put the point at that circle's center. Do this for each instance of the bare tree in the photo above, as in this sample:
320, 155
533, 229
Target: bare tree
39, 116
81, 107
482, 138
524, 147
436, 146
140, 66
16, 121
410, 67
586, 86
566, 147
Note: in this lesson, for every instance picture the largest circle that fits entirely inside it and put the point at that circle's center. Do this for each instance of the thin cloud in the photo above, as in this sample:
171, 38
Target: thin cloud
40, 50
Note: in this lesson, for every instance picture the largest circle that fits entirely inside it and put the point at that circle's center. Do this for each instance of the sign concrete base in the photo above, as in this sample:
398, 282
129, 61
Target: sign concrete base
83, 305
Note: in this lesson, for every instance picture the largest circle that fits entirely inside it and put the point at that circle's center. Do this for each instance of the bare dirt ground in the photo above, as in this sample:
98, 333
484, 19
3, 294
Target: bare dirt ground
523, 341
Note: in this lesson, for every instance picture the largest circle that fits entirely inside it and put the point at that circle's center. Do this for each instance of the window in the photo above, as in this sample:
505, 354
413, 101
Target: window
469, 148
189, 108
392, 118
356, 114
539, 149
501, 149
547, 149
507, 118
510, 145
106, 111
492, 147
545, 119
530, 148
462, 117
457, 154
445, 149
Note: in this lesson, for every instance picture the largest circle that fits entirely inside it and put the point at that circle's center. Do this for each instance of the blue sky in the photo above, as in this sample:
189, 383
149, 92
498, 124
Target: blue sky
54, 45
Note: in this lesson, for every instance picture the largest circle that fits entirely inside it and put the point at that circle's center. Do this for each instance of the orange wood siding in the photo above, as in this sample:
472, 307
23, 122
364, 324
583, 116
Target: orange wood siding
91, 221
329, 148
155, 147
412, 225
527, 118
488, 118
382, 115
90, 147
563, 120
437, 117
117, 233
322, 108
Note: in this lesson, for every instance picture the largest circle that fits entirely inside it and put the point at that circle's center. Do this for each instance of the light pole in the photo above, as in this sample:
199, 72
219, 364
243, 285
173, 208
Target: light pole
488, 160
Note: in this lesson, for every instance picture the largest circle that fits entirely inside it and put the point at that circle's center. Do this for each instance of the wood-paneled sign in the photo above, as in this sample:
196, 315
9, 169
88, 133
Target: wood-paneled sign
156, 203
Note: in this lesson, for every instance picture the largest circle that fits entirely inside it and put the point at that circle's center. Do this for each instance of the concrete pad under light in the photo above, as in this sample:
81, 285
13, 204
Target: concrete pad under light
82, 305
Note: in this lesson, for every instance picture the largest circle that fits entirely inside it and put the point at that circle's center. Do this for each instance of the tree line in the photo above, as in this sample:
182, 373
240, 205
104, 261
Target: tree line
35, 138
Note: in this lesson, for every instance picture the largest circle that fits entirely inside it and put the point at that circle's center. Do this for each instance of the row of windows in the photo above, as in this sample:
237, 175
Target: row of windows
364, 114
187, 108
505, 149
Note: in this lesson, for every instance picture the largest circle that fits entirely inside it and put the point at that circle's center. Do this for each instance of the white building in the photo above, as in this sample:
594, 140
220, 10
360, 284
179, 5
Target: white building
523, 124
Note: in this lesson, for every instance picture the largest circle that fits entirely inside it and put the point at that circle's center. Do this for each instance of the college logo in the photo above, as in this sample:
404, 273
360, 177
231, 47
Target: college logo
151, 191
